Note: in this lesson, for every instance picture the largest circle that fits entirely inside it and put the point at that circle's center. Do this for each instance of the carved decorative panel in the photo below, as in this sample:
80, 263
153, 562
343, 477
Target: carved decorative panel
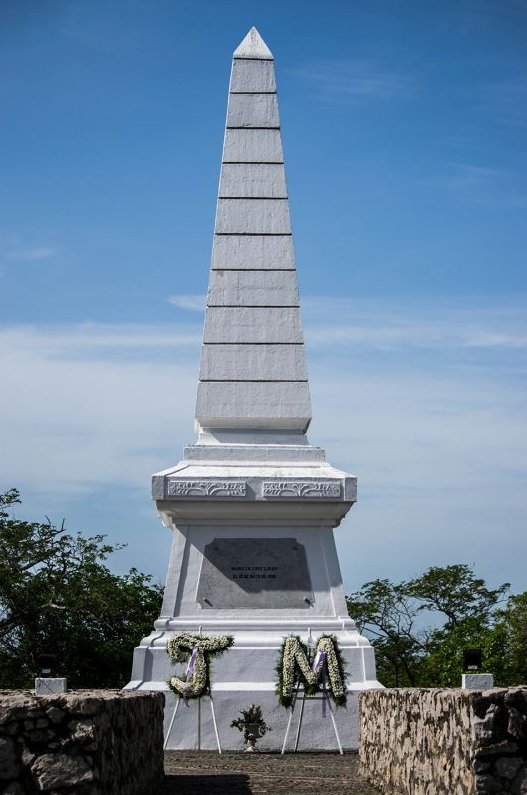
295, 488
206, 488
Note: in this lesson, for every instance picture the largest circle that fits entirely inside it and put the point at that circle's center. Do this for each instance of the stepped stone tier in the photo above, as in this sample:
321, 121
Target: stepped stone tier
253, 504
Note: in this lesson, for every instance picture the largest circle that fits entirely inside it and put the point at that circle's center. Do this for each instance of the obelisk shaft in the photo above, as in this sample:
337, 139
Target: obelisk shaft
253, 374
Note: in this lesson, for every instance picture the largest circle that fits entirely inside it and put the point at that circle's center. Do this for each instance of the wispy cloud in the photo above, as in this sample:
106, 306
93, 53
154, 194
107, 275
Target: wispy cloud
506, 102
18, 249
480, 184
345, 80
95, 409
414, 326
99, 340
32, 254
193, 303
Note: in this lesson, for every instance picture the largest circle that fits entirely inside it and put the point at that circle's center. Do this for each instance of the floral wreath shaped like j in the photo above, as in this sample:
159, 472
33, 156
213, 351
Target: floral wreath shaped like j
198, 651
324, 671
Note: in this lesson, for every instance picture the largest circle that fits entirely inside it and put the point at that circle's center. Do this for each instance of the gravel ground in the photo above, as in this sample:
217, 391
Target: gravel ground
236, 773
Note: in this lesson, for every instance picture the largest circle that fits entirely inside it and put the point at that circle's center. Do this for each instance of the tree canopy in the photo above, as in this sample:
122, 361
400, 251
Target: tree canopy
420, 627
58, 596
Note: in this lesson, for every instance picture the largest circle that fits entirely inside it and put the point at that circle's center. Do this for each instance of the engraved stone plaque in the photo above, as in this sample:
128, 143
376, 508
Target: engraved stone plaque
255, 572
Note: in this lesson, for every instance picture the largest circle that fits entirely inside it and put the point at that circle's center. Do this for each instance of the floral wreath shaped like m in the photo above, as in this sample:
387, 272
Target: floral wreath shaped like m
198, 650
295, 667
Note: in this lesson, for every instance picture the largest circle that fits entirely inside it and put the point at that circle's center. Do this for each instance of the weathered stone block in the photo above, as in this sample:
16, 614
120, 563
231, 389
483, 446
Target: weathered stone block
507, 767
8, 761
252, 146
253, 110
517, 723
252, 75
55, 715
252, 288
253, 180
239, 252
519, 785
259, 405
259, 324
477, 681
253, 362
253, 216
61, 770
50, 686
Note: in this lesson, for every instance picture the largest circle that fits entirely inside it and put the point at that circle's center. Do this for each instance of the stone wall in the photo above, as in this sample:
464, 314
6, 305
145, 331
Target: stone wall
98, 742
445, 742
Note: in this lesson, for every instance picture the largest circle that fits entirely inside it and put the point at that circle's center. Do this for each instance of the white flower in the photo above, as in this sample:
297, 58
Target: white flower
295, 664
181, 647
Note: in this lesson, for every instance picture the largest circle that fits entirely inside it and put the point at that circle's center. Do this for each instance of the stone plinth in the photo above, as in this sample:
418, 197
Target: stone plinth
50, 685
477, 681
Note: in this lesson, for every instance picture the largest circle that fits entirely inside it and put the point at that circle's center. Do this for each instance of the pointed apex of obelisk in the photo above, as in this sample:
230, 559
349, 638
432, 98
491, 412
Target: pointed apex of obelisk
253, 46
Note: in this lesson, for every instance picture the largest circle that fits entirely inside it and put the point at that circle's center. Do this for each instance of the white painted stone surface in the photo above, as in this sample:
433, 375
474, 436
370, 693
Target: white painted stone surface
253, 110
477, 681
255, 324
253, 362
253, 180
253, 216
252, 146
230, 404
253, 251
246, 673
252, 75
253, 474
252, 288
50, 686
238, 450
253, 46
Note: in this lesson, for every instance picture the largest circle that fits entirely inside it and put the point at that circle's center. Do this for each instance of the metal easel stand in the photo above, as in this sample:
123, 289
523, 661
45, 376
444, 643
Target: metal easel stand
169, 732
299, 728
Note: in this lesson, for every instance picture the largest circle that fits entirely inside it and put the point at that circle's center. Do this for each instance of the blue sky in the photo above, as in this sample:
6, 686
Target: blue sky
404, 130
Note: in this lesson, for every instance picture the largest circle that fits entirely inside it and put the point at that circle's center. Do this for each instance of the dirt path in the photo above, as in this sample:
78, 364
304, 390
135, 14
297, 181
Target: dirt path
208, 773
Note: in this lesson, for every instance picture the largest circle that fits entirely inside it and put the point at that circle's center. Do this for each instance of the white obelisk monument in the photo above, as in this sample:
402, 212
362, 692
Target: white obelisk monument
253, 504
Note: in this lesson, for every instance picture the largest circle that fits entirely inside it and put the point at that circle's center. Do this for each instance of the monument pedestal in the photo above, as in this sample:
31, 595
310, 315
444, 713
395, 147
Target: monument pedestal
253, 505
254, 556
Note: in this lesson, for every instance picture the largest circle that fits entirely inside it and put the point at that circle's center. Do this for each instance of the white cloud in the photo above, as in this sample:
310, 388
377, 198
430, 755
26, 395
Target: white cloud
418, 324
341, 80
438, 440
76, 341
193, 303
484, 185
32, 254
15, 249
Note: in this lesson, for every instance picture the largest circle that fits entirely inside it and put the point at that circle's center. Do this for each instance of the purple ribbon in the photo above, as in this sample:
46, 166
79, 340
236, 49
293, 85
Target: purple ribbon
321, 656
192, 663
320, 659
324, 693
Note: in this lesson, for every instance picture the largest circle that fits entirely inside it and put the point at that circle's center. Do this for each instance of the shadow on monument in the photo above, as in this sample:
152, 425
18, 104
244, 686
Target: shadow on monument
238, 784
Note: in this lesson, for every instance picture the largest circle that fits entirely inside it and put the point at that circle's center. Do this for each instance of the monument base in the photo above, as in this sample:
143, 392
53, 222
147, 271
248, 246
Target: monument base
245, 675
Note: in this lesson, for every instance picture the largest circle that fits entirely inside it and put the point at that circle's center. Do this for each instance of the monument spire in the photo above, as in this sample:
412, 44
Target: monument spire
253, 373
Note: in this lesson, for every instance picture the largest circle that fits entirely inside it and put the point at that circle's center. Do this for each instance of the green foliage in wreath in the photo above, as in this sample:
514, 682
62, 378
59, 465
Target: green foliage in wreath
180, 649
294, 667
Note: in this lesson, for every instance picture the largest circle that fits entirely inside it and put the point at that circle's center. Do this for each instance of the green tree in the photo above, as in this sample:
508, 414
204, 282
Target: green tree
57, 595
419, 628
388, 615
457, 593
512, 628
